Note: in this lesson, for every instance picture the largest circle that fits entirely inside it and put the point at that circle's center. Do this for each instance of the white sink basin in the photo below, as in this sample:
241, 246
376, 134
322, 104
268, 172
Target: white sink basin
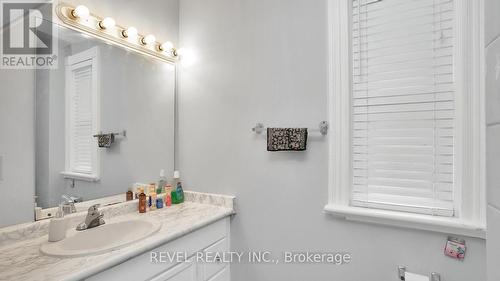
101, 239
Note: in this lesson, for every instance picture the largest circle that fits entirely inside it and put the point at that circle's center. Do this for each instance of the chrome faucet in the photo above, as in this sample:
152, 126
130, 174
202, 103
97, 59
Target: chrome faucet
94, 218
68, 203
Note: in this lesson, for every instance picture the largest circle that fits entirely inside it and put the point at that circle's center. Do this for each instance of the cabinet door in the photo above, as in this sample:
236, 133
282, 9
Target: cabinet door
209, 269
185, 271
222, 275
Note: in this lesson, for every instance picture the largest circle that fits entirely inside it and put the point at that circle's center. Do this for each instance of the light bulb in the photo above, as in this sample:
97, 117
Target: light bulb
181, 51
130, 32
107, 23
148, 39
81, 12
166, 46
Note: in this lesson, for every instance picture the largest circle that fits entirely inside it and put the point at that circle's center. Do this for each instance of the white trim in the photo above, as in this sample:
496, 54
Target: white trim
408, 220
470, 119
79, 176
339, 104
90, 56
82, 56
470, 166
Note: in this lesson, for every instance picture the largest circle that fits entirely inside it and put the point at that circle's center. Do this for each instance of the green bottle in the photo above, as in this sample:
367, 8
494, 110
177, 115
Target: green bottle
177, 194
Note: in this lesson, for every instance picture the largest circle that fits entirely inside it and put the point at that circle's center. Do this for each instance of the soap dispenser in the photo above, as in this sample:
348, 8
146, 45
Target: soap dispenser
178, 193
58, 226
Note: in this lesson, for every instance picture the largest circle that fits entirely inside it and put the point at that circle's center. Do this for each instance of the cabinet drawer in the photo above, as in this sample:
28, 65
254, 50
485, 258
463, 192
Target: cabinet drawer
210, 268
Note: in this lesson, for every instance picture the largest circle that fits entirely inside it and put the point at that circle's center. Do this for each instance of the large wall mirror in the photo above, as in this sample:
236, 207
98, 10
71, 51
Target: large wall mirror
104, 121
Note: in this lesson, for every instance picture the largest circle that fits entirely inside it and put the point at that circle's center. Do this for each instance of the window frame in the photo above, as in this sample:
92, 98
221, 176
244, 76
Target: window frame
469, 163
92, 56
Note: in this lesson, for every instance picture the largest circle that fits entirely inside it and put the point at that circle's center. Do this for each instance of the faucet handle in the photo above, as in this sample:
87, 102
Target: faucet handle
94, 208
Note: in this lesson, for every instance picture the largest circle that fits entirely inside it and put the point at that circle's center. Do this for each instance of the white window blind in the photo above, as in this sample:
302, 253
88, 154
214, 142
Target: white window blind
81, 127
403, 105
82, 113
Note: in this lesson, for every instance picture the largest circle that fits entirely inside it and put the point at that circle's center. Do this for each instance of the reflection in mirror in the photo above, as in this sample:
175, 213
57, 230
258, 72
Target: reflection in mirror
104, 121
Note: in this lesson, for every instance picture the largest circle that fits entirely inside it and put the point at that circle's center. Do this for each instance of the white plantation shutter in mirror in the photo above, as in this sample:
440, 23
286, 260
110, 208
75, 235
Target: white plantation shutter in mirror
82, 111
403, 105
81, 129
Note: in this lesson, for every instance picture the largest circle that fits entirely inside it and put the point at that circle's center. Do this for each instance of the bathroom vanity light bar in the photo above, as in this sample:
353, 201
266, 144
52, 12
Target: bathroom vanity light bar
81, 19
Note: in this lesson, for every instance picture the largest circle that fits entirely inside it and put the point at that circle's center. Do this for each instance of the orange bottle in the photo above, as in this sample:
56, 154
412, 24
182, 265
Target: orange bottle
142, 203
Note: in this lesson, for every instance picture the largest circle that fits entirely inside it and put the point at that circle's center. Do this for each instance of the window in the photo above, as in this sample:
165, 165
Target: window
406, 108
82, 115
403, 106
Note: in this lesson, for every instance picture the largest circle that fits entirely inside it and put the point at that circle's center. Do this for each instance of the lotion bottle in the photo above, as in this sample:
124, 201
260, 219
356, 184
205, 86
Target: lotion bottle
58, 226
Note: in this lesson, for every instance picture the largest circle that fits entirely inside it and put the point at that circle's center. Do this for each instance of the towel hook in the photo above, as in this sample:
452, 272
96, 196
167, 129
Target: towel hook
323, 127
259, 128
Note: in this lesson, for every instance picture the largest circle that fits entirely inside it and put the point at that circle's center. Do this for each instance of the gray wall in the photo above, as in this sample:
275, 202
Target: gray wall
137, 94
492, 42
16, 146
266, 61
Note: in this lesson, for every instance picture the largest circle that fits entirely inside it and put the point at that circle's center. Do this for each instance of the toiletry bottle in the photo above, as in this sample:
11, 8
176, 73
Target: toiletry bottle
159, 203
150, 190
58, 226
168, 188
178, 194
142, 202
161, 183
176, 179
130, 195
152, 187
168, 200
174, 194
138, 190
153, 200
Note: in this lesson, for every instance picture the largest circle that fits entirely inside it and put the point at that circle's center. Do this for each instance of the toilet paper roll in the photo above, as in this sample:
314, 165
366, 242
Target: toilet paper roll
415, 277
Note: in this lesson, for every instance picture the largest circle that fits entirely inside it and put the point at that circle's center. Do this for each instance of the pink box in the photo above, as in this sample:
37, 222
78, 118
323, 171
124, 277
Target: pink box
455, 248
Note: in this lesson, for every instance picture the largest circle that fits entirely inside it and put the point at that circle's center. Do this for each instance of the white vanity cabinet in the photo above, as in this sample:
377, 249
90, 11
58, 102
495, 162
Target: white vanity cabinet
213, 238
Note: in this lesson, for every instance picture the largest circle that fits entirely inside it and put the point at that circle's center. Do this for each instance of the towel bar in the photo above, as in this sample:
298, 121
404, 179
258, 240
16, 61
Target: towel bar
122, 133
323, 128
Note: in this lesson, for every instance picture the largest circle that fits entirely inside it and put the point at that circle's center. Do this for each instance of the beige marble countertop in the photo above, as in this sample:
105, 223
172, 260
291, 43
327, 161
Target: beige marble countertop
20, 257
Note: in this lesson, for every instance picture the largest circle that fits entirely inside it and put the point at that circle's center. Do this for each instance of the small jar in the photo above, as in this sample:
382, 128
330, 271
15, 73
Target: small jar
130, 195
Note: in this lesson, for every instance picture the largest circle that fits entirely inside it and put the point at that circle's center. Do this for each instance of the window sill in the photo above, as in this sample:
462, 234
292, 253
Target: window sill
407, 220
81, 177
